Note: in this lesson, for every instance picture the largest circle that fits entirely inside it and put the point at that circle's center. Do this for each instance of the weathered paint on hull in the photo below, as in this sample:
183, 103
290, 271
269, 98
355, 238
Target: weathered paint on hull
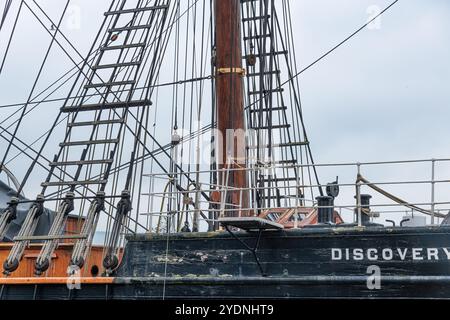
256, 288
414, 263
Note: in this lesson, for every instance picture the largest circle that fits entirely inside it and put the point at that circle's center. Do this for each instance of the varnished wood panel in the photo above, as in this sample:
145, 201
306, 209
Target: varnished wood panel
230, 99
60, 260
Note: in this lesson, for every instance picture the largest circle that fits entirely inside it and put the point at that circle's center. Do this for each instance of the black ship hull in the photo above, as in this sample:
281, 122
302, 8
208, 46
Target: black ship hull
344, 262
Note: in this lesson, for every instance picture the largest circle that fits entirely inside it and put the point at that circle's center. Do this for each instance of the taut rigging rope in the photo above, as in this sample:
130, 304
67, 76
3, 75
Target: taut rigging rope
33, 88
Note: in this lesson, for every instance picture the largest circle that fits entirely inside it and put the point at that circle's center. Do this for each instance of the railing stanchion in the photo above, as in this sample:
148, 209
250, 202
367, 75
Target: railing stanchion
433, 185
358, 196
240, 203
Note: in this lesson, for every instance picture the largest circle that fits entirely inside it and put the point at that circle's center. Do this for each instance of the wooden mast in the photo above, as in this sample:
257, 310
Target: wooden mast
230, 102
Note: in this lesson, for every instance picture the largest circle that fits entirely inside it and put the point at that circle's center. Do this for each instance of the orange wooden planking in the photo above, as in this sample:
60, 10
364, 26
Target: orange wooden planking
54, 281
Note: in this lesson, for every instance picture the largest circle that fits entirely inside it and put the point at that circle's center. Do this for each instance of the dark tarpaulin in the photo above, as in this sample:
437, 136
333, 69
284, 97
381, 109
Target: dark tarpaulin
45, 220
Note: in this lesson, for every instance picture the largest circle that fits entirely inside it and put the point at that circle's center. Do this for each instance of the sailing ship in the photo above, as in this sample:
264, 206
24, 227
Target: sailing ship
252, 221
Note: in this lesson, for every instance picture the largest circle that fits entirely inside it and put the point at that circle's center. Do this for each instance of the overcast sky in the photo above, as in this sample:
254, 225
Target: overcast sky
385, 95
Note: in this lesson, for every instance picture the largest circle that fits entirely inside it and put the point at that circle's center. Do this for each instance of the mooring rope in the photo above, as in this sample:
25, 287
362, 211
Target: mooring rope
397, 199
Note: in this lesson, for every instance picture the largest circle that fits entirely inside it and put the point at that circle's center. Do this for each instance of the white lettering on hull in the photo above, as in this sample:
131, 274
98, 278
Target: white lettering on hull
447, 253
390, 254
336, 254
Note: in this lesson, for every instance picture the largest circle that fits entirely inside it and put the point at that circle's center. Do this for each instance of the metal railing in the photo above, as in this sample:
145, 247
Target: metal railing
434, 208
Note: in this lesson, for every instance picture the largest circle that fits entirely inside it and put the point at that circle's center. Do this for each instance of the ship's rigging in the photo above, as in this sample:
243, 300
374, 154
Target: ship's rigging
132, 141
110, 117
5, 13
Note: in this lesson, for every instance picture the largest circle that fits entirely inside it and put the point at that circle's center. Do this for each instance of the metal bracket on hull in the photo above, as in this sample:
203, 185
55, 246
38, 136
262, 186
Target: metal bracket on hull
248, 224
254, 250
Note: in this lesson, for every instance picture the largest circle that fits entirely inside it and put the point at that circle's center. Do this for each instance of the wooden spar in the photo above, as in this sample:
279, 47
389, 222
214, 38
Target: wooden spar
230, 103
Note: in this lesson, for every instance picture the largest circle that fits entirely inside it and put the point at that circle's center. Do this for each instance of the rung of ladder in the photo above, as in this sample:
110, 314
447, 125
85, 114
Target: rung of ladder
109, 105
253, 93
294, 144
129, 28
268, 109
286, 162
109, 84
249, 19
135, 10
266, 54
257, 36
73, 183
117, 65
256, 74
80, 162
95, 123
90, 142
279, 145
289, 163
278, 126
124, 46
274, 197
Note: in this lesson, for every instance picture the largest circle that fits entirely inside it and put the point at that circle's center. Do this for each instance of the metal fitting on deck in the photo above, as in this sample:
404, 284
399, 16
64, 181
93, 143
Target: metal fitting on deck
325, 210
365, 208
